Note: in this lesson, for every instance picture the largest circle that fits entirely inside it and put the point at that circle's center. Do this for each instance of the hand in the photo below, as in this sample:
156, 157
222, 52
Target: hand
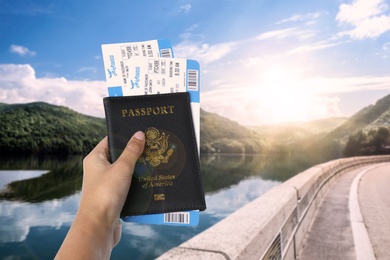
97, 227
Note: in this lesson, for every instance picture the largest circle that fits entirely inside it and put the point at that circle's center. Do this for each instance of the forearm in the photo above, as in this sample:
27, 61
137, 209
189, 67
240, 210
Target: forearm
96, 228
88, 239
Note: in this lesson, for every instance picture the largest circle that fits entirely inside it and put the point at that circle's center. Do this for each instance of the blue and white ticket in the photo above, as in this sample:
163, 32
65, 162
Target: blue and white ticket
115, 54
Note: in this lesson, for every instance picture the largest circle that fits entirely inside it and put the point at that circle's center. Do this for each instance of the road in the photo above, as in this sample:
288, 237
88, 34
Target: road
374, 200
337, 231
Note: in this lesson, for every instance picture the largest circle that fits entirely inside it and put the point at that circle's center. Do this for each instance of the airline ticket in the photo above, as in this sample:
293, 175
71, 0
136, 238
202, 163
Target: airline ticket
114, 56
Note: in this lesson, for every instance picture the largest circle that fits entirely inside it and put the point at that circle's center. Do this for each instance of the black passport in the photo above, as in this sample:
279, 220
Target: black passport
167, 175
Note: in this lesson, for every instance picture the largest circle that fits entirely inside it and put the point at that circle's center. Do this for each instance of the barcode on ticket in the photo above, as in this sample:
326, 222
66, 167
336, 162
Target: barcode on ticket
193, 80
166, 53
177, 217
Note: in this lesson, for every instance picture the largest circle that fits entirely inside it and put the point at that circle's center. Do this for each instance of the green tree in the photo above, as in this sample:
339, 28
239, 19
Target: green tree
354, 143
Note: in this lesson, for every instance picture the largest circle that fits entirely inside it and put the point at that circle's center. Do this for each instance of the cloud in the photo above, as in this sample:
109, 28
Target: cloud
19, 85
286, 33
368, 18
21, 50
188, 33
302, 100
18, 218
386, 47
277, 34
336, 85
226, 201
252, 106
185, 8
204, 53
207, 53
300, 17
314, 47
92, 70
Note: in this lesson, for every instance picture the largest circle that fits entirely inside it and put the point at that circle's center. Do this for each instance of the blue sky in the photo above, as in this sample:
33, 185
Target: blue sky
262, 61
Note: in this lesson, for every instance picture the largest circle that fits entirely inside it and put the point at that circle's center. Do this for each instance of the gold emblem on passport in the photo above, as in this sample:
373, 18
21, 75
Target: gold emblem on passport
156, 147
159, 196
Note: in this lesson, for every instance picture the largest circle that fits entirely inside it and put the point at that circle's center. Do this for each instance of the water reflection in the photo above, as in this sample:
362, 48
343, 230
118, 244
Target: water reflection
36, 213
63, 178
7, 177
225, 201
18, 218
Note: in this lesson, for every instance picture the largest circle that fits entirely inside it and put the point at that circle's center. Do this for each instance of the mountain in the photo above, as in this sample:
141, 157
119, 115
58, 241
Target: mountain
41, 128
292, 132
361, 134
370, 117
222, 135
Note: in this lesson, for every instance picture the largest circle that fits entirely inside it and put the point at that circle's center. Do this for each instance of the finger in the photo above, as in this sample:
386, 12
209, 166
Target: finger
134, 148
100, 151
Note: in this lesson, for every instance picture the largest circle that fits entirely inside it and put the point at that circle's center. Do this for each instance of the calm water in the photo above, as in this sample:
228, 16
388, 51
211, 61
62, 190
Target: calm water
42, 197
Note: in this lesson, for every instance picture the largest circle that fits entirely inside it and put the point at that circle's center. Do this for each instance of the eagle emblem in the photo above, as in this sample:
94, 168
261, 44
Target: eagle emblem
156, 147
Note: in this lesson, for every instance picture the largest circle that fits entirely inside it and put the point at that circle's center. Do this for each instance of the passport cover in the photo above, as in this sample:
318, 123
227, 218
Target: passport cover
167, 175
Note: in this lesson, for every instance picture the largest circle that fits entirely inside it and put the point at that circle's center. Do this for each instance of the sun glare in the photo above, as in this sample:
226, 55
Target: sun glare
282, 95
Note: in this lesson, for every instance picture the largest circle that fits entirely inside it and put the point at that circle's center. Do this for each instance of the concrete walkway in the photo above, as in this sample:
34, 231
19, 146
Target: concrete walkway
374, 198
338, 232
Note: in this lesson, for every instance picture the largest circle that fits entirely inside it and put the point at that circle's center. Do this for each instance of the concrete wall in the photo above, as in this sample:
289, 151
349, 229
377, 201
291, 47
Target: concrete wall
277, 220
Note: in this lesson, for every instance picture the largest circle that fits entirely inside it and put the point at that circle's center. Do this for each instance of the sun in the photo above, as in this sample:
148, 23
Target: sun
282, 94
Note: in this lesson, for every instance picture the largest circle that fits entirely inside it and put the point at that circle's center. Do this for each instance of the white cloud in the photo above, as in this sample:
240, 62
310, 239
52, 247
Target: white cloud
185, 8
386, 47
314, 47
18, 217
188, 33
277, 34
300, 17
19, 84
207, 53
21, 50
286, 33
251, 106
360, 10
368, 18
204, 53
335, 85
302, 100
226, 201
92, 70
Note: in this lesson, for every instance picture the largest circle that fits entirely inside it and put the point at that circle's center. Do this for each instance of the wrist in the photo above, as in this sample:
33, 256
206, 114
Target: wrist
99, 237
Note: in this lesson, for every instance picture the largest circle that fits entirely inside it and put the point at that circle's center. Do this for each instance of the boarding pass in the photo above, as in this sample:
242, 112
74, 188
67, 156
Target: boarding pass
115, 54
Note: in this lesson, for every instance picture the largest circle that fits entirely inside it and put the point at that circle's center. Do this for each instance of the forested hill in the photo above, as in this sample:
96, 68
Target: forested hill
366, 132
43, 128
48, 129
370, 117
222, 135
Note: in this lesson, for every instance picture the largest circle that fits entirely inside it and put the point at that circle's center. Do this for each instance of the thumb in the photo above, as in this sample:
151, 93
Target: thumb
134, 148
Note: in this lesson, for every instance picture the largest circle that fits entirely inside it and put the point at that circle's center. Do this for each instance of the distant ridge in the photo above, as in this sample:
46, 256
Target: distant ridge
43, 128
372, 116
365, 123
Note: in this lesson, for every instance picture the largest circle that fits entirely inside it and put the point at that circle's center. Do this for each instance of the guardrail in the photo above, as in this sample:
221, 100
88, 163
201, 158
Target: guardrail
274, 225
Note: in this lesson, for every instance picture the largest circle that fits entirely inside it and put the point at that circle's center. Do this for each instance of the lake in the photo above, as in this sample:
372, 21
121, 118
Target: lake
39, 198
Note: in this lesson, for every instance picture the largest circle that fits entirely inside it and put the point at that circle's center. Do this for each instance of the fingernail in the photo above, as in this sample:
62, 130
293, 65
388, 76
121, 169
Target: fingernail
139, 135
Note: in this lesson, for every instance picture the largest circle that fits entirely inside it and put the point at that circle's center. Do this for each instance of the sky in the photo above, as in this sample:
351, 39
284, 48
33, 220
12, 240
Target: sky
262, 61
